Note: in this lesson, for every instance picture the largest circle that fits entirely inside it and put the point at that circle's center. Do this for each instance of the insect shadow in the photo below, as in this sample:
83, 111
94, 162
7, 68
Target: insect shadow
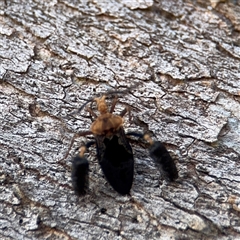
114, 151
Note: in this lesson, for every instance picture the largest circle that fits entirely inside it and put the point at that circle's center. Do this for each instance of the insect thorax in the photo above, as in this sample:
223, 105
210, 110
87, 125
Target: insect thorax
106, 124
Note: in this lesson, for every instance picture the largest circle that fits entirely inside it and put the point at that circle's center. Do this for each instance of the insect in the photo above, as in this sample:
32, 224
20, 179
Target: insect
114, 151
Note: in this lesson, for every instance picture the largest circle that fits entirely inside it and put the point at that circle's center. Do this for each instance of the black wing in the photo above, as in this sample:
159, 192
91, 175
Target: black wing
116, 160
161, 156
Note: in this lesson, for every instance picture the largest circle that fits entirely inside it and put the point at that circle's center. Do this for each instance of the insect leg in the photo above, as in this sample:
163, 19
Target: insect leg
80, 169
135, 134
114, 102
91, 112
160, 155
162, 158
124, 111
72, 141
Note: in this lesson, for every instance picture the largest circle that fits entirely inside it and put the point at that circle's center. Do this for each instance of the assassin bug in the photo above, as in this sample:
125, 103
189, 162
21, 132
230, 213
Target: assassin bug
114, 151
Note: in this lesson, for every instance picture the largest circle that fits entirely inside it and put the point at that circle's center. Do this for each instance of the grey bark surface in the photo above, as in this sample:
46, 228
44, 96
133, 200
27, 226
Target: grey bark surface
185, 56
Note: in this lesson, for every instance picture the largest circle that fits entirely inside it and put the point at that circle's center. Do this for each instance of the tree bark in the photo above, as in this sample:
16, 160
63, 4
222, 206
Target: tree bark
182, 56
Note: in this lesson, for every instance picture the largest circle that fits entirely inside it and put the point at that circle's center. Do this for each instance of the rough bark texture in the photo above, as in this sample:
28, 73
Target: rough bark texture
54, 55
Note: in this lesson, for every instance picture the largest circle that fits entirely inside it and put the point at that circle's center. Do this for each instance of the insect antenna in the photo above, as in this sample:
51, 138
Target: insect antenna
108, 93
112, 92
81, 108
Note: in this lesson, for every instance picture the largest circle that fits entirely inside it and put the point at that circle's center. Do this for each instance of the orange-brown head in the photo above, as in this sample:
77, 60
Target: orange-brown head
101, 105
